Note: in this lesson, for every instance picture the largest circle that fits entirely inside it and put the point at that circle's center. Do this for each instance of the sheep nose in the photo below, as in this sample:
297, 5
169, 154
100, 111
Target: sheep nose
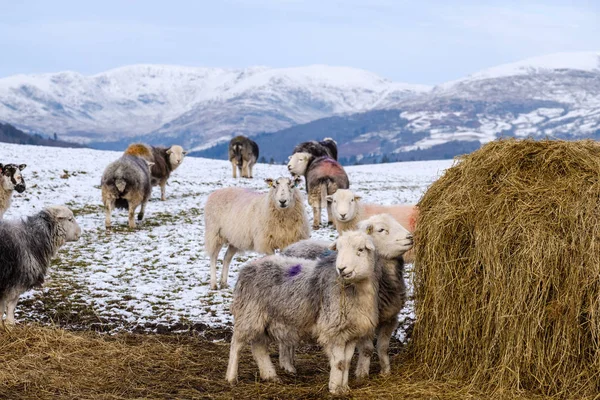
282, 202
289, 167
343, 216
341, 270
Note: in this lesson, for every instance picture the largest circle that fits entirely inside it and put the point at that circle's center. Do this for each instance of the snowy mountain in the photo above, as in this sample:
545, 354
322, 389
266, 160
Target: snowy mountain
192, 106
552, 96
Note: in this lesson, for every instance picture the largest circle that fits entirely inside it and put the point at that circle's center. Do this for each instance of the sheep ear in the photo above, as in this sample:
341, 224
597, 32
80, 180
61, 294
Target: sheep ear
297, 181
369, 229
150, 164
357, 198
369, 245
1, 167
333, 246
22, 166
269, 182
184, 153
330, 198
169, 151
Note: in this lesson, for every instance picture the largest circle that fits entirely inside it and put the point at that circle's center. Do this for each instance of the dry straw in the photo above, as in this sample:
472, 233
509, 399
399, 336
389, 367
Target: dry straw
508, 279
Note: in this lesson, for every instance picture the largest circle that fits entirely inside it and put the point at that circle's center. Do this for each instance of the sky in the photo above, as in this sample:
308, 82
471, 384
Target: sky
426, 42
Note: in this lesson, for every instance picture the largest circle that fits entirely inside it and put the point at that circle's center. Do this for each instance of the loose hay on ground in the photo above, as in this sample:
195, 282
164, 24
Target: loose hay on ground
507, 284
48, 363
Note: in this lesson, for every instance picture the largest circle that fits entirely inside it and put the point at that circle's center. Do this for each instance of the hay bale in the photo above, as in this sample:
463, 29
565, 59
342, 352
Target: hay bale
507, 285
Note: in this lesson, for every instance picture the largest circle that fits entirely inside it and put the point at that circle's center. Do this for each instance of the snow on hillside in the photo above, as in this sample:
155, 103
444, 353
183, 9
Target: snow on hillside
156, 277
141, 99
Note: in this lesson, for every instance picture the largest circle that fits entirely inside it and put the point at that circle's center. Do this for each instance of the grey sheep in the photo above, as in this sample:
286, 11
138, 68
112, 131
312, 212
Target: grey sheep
247, 220
334, 302
126, 183
165, 161
392, 241
243, 153
26, 249
324, 176
10, 180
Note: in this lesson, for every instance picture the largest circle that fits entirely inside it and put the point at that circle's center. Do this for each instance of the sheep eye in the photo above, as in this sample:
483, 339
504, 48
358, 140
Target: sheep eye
381, 230
352, 201
360, 250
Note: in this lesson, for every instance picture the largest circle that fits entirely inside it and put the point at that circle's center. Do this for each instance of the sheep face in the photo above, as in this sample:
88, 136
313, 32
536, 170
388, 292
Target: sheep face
344, 204
298, 163
282, 191
355, 256
12, 178
176, 155
390, 238
66, 219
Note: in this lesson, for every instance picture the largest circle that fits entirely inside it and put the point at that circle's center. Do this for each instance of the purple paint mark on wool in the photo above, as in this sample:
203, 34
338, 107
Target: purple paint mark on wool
294, 270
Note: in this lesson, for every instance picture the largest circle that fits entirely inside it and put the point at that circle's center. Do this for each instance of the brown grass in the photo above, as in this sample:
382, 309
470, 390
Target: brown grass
50, 363
507, 284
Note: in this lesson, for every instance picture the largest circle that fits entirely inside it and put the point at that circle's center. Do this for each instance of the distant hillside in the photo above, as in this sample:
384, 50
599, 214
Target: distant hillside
10, 134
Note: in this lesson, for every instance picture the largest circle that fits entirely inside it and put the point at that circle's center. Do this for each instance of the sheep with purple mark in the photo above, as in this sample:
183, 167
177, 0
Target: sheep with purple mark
392, 241
247, 220
335, 303
324, 176
326, 147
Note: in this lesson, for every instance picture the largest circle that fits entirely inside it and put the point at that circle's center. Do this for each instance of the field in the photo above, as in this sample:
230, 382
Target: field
133, 307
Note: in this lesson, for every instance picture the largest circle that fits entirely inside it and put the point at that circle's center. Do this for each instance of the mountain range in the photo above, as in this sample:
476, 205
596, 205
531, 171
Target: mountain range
555, 96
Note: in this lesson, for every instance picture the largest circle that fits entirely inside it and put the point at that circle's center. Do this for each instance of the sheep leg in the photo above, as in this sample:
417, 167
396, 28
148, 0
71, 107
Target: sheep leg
260, 351
250, 166
231, 250
337, 361
108, 206
142, 210
316, 215
11, 305
245, 173
234, 359
2, 310
286, 357
234, 165
213, 267
365, 350
348, 352
386, 329
163, 189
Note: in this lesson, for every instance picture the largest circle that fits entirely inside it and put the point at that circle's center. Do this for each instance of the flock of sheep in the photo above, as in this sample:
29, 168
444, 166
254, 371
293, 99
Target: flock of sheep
344, 293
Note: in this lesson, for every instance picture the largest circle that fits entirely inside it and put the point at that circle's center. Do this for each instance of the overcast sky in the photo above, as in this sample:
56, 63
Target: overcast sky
425, 42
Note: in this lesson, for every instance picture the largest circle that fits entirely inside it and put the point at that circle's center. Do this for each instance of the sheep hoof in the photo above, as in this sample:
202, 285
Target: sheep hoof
273, 379
224, 285
8, 326
290, 370
140, 216
213, 287
315, 227
338, 390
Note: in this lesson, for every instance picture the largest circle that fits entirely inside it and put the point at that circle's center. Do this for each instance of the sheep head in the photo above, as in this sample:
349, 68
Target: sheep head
355, 256
299, 163
390, 238
13, 177
344, 204
282, 191
176, 154
65, 218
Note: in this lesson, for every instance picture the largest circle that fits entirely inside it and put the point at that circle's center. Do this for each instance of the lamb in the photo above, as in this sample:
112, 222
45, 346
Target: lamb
246, 220
165, 161
334, 301
347, 211
10, 180
243, 153
26, 249
391, 240
323, 176
326, 147
126, 184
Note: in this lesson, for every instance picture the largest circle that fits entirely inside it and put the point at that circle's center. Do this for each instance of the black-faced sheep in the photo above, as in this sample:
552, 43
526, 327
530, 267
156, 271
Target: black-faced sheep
392, 241
26, 248
347, 211
243, 153
326, 147
126, 184
246, 220
334, 301
324, 176
10, 180
165, 161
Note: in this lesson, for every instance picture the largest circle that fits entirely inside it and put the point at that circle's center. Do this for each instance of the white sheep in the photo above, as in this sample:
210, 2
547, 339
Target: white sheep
283, 299
11, 179
392, 241
347, 211
247, 220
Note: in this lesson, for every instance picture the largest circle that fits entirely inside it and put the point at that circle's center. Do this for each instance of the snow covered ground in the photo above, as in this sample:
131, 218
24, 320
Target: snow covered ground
156, 277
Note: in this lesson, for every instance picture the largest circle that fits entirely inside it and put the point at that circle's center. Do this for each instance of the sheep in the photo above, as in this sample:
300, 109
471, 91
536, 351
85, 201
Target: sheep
10, 180
323, 176
347, 211
243, 153
334, 302
126, 184
26, 249
246, 220
326, 147
391, 240
166, 160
